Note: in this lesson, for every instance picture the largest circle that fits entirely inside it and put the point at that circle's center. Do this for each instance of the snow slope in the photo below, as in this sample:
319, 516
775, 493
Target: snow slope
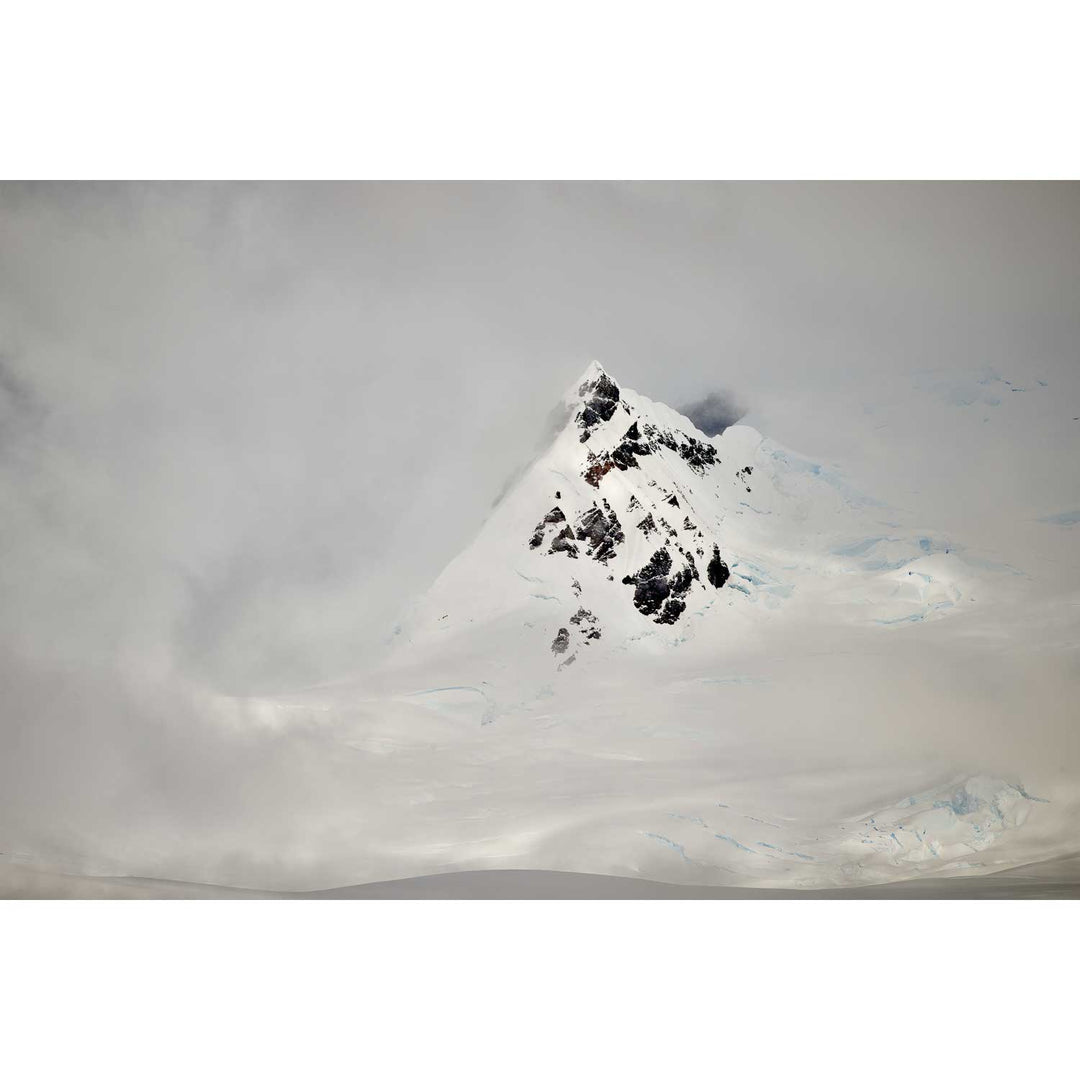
635, 531
697, 660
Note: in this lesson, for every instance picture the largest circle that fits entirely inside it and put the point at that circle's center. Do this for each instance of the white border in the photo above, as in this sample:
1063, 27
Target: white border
561, 90
539, 989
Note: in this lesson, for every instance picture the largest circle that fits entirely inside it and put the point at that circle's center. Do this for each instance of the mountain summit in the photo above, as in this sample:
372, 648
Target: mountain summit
680, 657
633, 530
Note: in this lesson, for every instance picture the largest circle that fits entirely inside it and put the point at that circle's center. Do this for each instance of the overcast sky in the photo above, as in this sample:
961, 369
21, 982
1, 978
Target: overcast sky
242, 425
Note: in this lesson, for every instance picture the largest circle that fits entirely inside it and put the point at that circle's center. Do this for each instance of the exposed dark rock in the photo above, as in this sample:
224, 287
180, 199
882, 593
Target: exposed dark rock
718, 571
658, 590
688, 524
561, 642
647, 525
651, 587
660, 437
684, 578
586, 623
672, 501
672, 610
622, 458
576, 586
632, 432
698, 455
650, 594
623, 455
552, 517
582, 616
602, 401
564, 541
558, 494
602, 532
633, 504
598, 469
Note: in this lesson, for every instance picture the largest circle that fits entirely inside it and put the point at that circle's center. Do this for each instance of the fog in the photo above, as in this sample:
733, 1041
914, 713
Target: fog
241, 426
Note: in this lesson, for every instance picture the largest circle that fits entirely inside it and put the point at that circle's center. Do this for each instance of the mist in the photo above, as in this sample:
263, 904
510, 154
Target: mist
243, 425
714, 413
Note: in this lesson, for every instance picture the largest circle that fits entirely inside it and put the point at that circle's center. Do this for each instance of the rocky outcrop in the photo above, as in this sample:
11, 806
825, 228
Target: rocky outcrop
717, 569
672, 610
564, 541
586, 622
600, 531
602, 399
698, 455
659, 587
555, 516
651, 586
597, 468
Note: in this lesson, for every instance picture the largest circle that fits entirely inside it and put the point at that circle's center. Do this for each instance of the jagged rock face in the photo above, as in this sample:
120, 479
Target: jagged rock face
552, 517
717, 570
651, 581
564, 541
602, 400
650, 538
659, 588
597, 528
698, 455
635, 498
647, 525
601, 532
597, 469
662, 585
586, 621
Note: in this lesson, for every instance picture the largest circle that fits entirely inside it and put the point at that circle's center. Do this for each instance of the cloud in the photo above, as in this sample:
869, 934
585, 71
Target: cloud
714, 413
242, 426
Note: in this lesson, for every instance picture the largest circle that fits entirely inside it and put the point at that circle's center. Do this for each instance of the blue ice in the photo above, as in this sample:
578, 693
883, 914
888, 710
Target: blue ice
1069, 517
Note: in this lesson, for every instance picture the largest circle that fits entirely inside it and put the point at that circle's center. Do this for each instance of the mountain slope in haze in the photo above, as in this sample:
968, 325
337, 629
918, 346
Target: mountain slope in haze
635, 531
698, 660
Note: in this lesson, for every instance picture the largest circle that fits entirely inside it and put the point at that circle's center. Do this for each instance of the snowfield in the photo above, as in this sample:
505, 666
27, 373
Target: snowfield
696, 660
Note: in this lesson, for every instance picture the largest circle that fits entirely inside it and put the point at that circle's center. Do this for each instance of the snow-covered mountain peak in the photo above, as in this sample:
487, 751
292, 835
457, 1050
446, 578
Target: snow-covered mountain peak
634, 530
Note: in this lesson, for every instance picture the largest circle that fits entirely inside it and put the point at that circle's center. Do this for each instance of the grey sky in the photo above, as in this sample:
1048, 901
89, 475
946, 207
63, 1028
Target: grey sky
241, 425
